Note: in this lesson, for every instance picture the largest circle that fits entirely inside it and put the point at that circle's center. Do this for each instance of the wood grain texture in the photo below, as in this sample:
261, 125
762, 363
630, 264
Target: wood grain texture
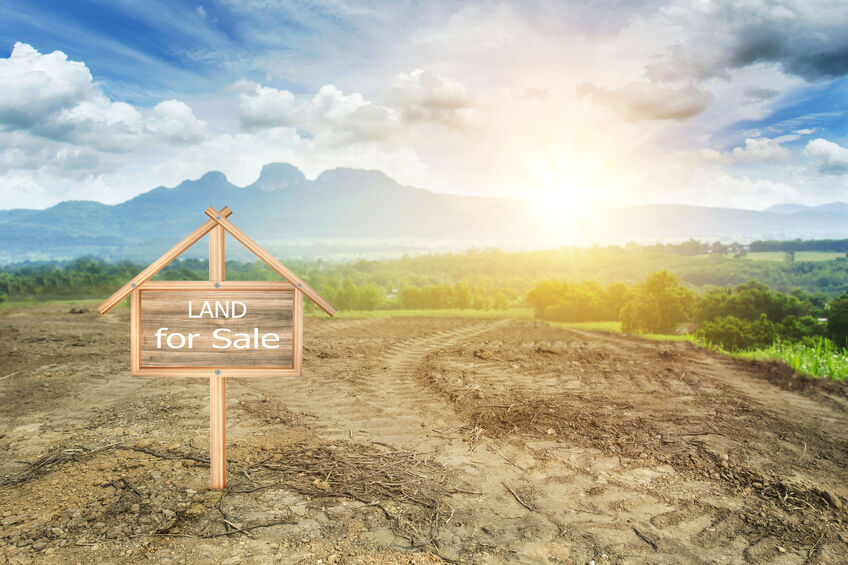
222, 285
218, 431
271, 261
159, 263
206, 372
268, 311
216, 254
135, 332
217, 383
298, 331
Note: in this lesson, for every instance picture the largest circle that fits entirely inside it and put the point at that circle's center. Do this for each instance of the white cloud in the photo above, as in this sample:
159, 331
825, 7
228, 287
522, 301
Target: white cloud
36, 85
415, 98
762, 150
424, 96
646, 101
826, 157
683, 75
60, 132
350, 118
261, 107
718, 188
175, 121
81, 144
803, 37
50, 97
330, 115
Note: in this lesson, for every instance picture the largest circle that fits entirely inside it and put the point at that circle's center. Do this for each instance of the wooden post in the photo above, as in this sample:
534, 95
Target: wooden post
217, 384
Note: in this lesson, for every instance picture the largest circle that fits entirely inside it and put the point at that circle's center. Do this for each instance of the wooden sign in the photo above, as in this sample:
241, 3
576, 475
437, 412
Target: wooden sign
188, 329
216, 329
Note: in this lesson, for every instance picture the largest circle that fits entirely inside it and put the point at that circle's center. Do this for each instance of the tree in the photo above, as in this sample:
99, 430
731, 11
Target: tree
614, 300
500, 299
462, 296
409, 298
748, 301
658, 305
733, 334
480, 299
544, 295
837, 320
576, 303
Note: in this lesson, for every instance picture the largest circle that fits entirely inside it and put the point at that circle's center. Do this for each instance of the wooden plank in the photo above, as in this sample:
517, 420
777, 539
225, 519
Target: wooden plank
220, 328
135, 332
222, 285
270, 260
217, 383
159, 263
216, 254
297, 344
218, 431
206, 372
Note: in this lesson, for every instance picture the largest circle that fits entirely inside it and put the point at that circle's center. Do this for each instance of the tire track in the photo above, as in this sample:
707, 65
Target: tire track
388, 404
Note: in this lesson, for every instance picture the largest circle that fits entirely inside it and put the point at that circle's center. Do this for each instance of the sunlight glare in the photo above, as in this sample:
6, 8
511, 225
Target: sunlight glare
566, 191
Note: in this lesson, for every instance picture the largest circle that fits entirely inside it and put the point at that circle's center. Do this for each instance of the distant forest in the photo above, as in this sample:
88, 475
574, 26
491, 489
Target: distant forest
480, 279
839, 245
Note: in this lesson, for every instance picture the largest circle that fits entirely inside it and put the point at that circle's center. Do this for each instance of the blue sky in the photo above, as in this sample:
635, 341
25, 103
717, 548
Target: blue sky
573, 104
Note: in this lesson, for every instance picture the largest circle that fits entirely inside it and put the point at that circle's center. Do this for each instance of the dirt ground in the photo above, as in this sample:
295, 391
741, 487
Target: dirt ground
418, 441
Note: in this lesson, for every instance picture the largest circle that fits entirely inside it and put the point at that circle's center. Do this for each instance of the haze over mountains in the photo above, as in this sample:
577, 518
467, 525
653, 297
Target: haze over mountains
351, 212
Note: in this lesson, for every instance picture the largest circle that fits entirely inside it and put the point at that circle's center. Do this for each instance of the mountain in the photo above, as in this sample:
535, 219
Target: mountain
352, 212
787, 208
833, 207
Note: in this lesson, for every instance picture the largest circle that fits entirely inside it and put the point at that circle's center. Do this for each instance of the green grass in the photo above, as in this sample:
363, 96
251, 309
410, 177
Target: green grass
821, 359
513, 313
799, 255
91, 303
609, 327
615, 328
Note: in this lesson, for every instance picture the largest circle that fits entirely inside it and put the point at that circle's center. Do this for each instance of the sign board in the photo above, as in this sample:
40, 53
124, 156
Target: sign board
216, 329
239, 329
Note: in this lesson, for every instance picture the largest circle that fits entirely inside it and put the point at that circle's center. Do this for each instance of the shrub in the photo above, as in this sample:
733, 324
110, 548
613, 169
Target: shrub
837, 320
658, 305
732, 334
584, 302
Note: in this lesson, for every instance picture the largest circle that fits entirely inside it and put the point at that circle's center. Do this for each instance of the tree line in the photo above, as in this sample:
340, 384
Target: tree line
627, 285
837, 245
747, 316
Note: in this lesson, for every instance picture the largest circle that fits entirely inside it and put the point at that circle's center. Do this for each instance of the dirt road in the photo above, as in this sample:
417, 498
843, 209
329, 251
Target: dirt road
419, 440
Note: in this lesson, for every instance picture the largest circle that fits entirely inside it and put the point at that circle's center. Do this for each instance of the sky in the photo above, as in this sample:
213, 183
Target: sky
572, 104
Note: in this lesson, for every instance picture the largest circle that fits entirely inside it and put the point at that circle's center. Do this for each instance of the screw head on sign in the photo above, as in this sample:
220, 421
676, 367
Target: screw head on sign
299, 285
132, 285
217, 371
218, 217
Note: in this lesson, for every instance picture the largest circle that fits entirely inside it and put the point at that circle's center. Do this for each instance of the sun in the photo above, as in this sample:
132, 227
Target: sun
564, 189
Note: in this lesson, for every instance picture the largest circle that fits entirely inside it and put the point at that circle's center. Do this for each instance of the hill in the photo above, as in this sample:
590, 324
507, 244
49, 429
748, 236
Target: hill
350, 212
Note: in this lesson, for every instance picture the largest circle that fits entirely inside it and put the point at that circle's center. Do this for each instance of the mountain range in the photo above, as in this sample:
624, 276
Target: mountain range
352, 212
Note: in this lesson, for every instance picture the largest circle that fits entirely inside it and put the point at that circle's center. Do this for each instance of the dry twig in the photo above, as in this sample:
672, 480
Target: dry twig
521, 502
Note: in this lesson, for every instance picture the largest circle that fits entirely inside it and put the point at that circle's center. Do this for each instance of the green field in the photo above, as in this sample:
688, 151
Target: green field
512, 313
799, 256
615, 328
820, 359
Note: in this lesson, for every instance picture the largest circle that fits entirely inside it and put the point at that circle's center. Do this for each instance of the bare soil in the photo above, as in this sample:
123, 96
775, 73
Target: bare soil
418, 441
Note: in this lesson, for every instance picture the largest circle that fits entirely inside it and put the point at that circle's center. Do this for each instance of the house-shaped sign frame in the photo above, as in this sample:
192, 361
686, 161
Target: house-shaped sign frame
216, 226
